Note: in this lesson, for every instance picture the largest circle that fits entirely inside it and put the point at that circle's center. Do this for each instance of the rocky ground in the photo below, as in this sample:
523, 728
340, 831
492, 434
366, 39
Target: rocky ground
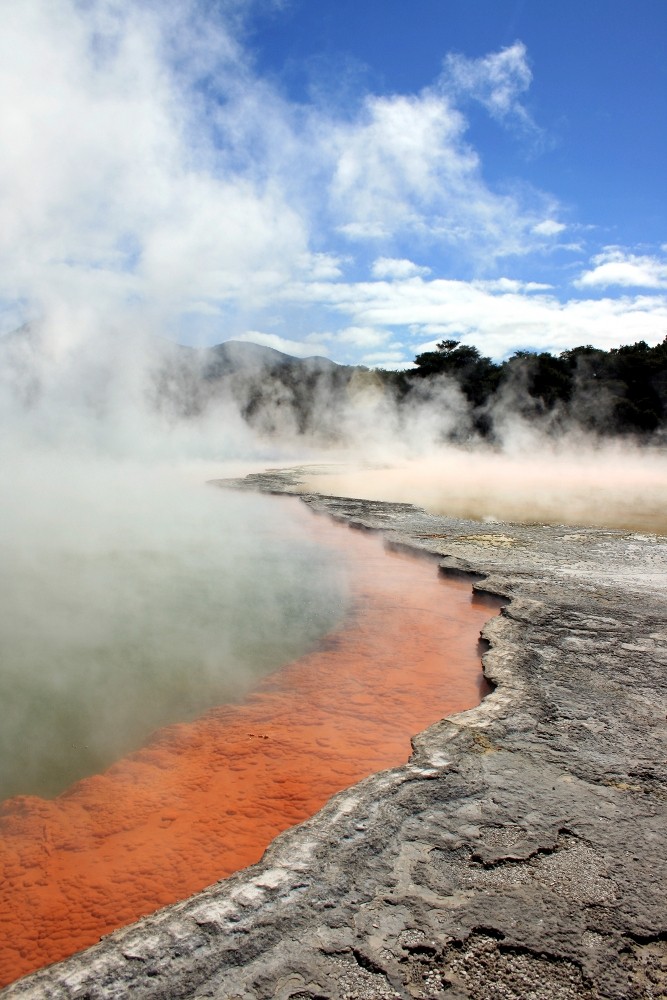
522, 851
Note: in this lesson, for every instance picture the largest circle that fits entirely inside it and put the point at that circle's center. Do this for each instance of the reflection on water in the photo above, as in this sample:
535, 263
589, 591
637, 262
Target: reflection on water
150, 620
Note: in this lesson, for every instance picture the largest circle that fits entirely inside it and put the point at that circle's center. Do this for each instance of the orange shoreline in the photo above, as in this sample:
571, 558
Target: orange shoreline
205, 798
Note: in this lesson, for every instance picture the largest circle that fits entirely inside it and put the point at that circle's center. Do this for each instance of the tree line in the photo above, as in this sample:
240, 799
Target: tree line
620, 391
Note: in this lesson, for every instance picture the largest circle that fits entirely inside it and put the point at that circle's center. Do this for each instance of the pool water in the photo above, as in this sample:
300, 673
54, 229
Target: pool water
109, 636
205, 797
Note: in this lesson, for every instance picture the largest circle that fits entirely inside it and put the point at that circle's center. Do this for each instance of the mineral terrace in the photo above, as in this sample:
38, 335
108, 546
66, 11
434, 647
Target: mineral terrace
521, 853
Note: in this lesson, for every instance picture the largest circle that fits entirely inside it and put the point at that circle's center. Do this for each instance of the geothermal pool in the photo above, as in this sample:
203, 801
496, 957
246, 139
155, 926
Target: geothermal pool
390, 648
141, 604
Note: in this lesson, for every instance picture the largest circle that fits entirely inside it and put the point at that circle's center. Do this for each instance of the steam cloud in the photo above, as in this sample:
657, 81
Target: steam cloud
122, 222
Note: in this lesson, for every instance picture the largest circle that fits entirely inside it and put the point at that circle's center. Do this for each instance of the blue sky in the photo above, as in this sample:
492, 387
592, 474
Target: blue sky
597, 93
356, 179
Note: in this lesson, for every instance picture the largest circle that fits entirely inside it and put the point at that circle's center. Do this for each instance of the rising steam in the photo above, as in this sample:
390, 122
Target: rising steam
133, 595
124, 222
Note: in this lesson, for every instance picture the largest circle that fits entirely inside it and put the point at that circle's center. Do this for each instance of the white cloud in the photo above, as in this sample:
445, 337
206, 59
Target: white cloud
323, 266
386, 359
403, 168
393, 160
615, 266
549, 227
363, 336
498, 322
496, 80
316, 340
392, 267
297, 348
511, 285
148, 174
363, 231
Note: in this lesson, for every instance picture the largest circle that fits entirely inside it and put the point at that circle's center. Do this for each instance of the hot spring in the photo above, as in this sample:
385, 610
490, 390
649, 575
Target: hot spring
190, 671
139, 600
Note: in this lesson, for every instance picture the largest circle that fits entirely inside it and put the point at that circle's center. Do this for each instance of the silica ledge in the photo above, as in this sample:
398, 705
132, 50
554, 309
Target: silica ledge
522, 851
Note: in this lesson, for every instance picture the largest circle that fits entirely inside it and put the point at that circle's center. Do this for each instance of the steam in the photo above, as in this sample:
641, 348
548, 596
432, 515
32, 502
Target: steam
544, 470
572, 482
426, 449
125, 221
133, 595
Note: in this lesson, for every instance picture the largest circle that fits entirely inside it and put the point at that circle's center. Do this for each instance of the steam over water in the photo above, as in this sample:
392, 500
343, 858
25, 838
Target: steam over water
613, 485
133, 598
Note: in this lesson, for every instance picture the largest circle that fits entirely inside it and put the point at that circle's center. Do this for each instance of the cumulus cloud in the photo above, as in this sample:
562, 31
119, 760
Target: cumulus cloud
151, 180
616, 266
497, 319
404, 168
149, 176
391, 164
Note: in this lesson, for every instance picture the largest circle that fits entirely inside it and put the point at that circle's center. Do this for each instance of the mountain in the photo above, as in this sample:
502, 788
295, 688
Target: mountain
235, 356
273, 391
270, 389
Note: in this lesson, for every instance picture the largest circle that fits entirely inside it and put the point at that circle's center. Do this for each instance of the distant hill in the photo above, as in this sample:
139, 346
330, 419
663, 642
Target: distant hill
242, 356
273, 391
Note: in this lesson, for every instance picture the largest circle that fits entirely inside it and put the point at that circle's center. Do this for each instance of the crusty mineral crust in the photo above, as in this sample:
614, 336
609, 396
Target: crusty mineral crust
521, 853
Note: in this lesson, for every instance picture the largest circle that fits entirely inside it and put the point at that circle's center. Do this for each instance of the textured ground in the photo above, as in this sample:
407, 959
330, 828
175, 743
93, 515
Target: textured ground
522, 851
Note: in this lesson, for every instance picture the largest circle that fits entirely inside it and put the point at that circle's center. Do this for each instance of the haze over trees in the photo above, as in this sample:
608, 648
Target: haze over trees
618, 392
621, 391
454, 392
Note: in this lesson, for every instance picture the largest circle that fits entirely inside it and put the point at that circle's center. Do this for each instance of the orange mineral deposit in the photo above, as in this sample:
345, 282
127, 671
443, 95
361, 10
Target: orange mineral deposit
205, 798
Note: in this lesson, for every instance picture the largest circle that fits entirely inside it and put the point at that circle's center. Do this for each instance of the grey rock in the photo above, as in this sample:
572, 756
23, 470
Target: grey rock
522, 851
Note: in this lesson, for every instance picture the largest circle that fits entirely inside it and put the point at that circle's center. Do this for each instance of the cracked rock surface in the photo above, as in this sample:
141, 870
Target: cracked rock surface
521, 853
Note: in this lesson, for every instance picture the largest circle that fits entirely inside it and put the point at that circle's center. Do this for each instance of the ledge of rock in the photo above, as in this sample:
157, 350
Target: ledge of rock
522, 852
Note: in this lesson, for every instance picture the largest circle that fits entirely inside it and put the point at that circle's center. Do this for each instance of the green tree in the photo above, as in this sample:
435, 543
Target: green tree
476, 375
